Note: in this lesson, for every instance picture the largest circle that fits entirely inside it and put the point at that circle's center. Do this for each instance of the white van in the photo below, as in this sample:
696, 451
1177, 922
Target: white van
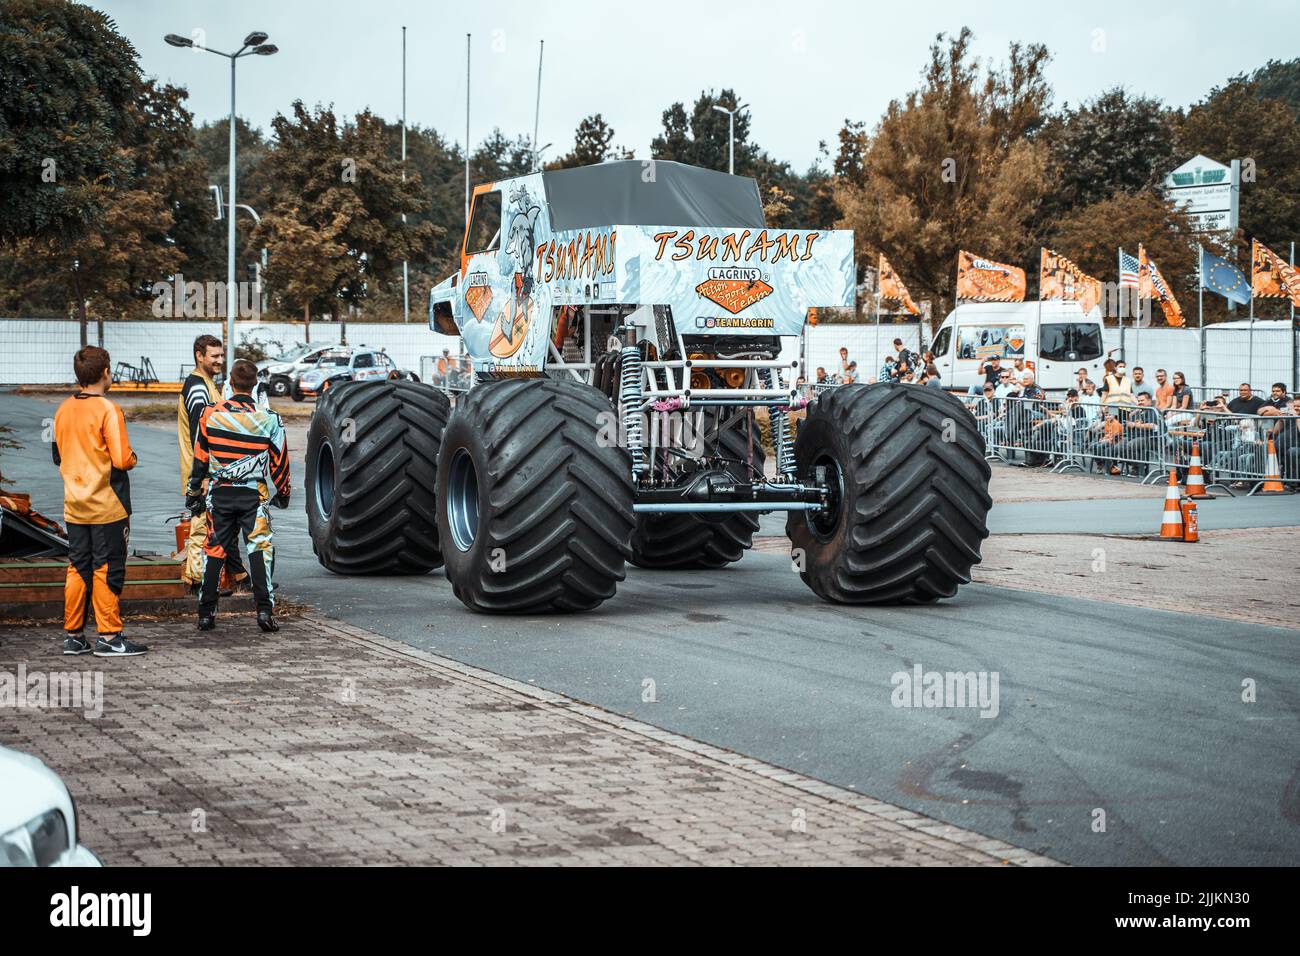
1054, 338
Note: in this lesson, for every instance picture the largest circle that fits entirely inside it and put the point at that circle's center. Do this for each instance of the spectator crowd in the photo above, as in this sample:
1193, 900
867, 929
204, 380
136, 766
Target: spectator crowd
1131, 425
1128, 424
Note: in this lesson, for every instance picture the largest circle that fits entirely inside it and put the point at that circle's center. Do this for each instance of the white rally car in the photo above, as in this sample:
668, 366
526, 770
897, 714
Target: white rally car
38, 820
343, 364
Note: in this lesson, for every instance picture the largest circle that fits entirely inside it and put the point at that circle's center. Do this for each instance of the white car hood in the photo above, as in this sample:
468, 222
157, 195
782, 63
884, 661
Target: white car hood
30, 789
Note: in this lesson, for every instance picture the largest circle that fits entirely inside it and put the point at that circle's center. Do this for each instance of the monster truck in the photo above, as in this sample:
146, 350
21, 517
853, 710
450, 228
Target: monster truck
625, 322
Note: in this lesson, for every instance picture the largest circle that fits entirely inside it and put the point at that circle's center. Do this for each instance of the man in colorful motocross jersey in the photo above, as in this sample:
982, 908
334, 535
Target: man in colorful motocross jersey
238, 450
94, 454
199, 392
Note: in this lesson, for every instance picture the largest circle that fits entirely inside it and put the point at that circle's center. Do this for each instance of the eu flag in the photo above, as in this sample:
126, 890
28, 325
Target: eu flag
1219, 275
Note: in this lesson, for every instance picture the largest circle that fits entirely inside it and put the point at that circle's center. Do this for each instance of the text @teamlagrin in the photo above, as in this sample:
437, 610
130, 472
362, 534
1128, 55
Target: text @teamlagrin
927, 689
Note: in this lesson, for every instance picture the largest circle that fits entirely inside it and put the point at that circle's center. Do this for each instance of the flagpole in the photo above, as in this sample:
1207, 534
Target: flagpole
1200, 303
1295, 339
1250, 333
1123, 299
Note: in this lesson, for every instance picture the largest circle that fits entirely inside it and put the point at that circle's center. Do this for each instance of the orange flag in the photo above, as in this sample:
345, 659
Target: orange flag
984, 280
1271, 277
891, 286
1152, 285
1059, 278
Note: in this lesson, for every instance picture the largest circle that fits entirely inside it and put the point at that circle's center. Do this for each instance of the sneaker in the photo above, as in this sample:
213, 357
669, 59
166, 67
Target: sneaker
266, 622
115, 645
75, 644
207, 623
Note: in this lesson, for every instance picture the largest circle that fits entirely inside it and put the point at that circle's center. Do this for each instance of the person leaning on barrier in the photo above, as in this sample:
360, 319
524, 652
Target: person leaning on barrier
1103, 449
1246, 403
1090, 401
1144, 435
1286, 440
1181, 398
1053, 433
1022, 416
1277, 397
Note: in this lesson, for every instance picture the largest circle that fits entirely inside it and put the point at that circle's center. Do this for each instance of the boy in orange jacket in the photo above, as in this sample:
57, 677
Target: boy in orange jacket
93, 454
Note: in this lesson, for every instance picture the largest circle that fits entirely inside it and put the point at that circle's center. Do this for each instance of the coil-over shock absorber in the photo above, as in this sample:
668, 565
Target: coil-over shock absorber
782, 442
629, 397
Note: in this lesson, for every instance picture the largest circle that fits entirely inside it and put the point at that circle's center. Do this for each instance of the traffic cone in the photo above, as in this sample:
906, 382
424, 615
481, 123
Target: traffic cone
1171, 527
1196, 477
1273, 477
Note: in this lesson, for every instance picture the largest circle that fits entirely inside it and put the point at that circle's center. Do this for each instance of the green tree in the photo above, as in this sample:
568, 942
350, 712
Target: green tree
343, 180
68, 94
957, 164
1278, 80
1112, 144
702, 138
593, 142
1237, 122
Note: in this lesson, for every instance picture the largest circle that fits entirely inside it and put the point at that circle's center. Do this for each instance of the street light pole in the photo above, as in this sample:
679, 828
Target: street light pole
406, 286
254, 43
231, 294
731, 134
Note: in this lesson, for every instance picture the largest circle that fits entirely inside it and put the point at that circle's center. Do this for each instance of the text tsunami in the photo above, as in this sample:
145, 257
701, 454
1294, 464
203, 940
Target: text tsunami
736, 247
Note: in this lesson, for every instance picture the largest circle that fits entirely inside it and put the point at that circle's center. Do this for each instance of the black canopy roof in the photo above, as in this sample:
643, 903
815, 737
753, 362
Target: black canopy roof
617, 193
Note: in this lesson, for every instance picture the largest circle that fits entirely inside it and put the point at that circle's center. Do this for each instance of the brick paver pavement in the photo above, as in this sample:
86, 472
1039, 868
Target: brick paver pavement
328, 744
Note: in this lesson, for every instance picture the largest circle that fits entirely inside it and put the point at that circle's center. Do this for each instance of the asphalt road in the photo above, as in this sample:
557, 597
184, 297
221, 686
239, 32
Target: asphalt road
1101, 707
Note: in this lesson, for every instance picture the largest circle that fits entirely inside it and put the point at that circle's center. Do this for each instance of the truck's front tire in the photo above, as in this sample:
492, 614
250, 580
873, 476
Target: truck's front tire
372, 452
906, 464
534, 498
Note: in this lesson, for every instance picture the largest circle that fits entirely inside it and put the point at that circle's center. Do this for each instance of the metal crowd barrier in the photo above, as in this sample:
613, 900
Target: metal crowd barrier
1139, 441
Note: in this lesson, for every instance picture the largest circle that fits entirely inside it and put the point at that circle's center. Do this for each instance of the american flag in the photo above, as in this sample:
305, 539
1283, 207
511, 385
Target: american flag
1128, 270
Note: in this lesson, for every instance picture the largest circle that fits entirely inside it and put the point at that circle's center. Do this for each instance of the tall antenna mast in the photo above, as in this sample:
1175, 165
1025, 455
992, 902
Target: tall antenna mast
537, 110
467, 130
406, 281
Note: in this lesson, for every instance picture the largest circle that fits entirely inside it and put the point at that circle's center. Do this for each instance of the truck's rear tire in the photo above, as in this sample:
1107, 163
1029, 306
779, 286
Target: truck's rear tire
534, 499
372, 452
681, 540
911, 502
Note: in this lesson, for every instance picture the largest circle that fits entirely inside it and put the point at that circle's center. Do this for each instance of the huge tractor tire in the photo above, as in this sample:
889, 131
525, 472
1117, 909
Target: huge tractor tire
534, 499
372, 452
680, 540
910, 495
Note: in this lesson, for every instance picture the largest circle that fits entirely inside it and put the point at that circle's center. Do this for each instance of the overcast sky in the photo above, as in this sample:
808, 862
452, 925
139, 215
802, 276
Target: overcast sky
803, 65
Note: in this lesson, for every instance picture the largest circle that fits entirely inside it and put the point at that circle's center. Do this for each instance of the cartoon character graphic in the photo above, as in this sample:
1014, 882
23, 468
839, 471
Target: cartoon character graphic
516, 317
